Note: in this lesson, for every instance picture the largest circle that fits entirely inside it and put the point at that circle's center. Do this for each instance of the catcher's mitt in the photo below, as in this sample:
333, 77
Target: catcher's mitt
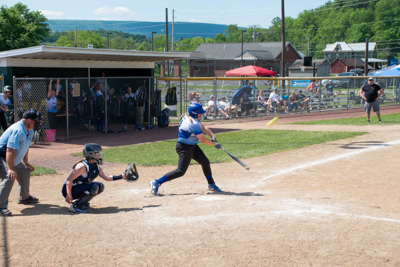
131, 172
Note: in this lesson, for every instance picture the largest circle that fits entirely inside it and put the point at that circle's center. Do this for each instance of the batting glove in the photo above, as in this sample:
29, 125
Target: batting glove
217, 146
214, 139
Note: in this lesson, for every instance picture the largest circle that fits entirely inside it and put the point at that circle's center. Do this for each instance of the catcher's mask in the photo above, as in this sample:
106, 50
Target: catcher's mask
34, 115
93, 151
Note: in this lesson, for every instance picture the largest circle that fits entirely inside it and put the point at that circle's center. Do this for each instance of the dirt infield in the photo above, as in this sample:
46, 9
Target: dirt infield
335, 203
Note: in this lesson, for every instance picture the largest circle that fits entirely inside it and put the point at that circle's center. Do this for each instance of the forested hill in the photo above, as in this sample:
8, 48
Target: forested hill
344, 20
181, 29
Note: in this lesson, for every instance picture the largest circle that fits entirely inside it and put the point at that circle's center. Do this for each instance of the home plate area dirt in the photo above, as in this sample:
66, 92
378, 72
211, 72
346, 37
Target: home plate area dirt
336, 203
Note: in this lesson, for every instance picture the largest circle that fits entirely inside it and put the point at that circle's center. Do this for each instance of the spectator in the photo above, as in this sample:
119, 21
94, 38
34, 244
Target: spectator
140, 95
210, 107
313, 87
261, 101
224, 107
102, 79
246, 104
27, 87
100, 108
130, 107
302, 100
293, 102
5, 102
276, 101
89, 100
329, 89
194, 97
369, 93
14, 161
51, 101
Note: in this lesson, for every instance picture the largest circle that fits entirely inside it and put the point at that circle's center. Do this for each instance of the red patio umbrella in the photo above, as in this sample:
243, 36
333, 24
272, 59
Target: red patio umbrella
250, 71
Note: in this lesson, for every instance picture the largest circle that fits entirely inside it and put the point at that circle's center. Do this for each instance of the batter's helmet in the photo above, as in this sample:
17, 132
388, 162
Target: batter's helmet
92, 151
194, 109
7, 88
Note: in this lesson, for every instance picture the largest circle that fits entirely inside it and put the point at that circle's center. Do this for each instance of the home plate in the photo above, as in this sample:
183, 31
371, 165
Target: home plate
209, 198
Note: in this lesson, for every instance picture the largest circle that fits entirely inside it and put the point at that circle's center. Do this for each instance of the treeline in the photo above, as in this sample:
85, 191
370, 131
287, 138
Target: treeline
338, 20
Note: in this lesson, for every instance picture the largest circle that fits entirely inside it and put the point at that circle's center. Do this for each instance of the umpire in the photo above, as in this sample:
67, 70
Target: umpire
14, 164
369, 93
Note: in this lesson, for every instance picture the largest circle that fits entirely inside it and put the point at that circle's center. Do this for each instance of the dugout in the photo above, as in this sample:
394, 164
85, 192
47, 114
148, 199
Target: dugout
120, 67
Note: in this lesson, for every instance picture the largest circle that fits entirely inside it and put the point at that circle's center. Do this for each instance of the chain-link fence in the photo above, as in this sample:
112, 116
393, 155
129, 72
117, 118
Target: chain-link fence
81, 106
229, 98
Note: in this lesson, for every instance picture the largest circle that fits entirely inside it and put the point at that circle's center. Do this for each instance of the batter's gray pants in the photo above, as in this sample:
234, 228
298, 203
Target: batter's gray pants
24, 177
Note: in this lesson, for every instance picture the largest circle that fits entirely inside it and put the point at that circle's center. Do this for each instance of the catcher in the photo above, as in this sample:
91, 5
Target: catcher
79, 188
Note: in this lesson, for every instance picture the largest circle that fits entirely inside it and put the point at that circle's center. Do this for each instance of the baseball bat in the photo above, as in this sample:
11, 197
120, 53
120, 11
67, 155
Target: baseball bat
236, 159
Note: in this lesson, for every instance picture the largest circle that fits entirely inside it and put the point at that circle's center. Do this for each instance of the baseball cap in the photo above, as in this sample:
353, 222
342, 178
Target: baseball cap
300, 90
370, 78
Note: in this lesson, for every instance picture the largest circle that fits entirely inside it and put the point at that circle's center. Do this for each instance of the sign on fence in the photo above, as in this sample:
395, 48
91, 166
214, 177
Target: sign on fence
299, 83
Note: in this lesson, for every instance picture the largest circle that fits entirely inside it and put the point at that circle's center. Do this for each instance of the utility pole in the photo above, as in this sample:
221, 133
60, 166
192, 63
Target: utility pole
152, 40
366, 57
283, 59
108, 39
173, 32
166, 38
241, 56
76, 37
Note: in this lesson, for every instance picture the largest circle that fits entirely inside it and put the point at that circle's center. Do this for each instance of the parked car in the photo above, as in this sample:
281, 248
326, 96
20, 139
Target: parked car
357, 72
344, 83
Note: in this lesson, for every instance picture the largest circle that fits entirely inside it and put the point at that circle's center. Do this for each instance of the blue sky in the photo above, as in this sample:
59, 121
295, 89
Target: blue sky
242, 13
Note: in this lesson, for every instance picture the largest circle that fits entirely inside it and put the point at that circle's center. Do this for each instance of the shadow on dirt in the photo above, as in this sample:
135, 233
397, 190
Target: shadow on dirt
50, 209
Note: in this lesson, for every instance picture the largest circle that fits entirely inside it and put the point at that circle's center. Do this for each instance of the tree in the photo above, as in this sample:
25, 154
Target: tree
84, 38
20, 27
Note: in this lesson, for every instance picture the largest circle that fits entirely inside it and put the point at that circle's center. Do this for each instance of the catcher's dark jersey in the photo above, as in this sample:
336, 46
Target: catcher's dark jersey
89, 176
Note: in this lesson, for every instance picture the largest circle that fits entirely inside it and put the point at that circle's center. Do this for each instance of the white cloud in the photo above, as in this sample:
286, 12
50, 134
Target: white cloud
119, 10
195, 20
53, 14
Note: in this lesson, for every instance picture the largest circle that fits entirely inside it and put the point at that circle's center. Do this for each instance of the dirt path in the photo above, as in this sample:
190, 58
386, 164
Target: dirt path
335, 203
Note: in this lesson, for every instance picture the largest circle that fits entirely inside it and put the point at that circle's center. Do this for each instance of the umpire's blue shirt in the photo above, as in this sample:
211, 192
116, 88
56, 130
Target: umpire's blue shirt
19, 138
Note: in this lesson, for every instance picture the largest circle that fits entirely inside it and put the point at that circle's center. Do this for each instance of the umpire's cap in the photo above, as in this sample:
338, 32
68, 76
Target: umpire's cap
7, 88
32, 114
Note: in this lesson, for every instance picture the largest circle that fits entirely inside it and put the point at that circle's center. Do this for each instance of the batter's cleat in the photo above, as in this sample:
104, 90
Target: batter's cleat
29, 200
213, 187
73, 208
154, 187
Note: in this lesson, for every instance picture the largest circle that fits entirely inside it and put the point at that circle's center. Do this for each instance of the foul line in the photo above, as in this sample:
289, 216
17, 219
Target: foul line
337, 157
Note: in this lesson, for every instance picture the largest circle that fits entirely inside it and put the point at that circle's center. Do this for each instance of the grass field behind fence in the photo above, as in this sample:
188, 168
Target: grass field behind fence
244, 144
386, 119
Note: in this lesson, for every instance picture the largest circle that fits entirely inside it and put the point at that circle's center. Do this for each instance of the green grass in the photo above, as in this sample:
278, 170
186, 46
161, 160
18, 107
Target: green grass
244, 144
40, 170
386, 119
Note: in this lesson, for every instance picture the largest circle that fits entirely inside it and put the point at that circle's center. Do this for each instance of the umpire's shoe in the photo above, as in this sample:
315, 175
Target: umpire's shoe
154, 187
29, 200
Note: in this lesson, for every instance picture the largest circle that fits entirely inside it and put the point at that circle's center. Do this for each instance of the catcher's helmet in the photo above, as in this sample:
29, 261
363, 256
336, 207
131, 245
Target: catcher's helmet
34, 115
92, 151
194, 109
7, 88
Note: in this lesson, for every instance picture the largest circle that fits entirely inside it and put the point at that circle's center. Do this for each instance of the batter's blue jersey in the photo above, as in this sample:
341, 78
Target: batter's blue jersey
188, 129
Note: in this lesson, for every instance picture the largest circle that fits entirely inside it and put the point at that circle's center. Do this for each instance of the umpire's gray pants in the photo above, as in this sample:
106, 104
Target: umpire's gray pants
24, 176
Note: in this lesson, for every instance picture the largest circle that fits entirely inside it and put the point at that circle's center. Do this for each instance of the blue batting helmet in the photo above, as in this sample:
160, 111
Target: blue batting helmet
194, 109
